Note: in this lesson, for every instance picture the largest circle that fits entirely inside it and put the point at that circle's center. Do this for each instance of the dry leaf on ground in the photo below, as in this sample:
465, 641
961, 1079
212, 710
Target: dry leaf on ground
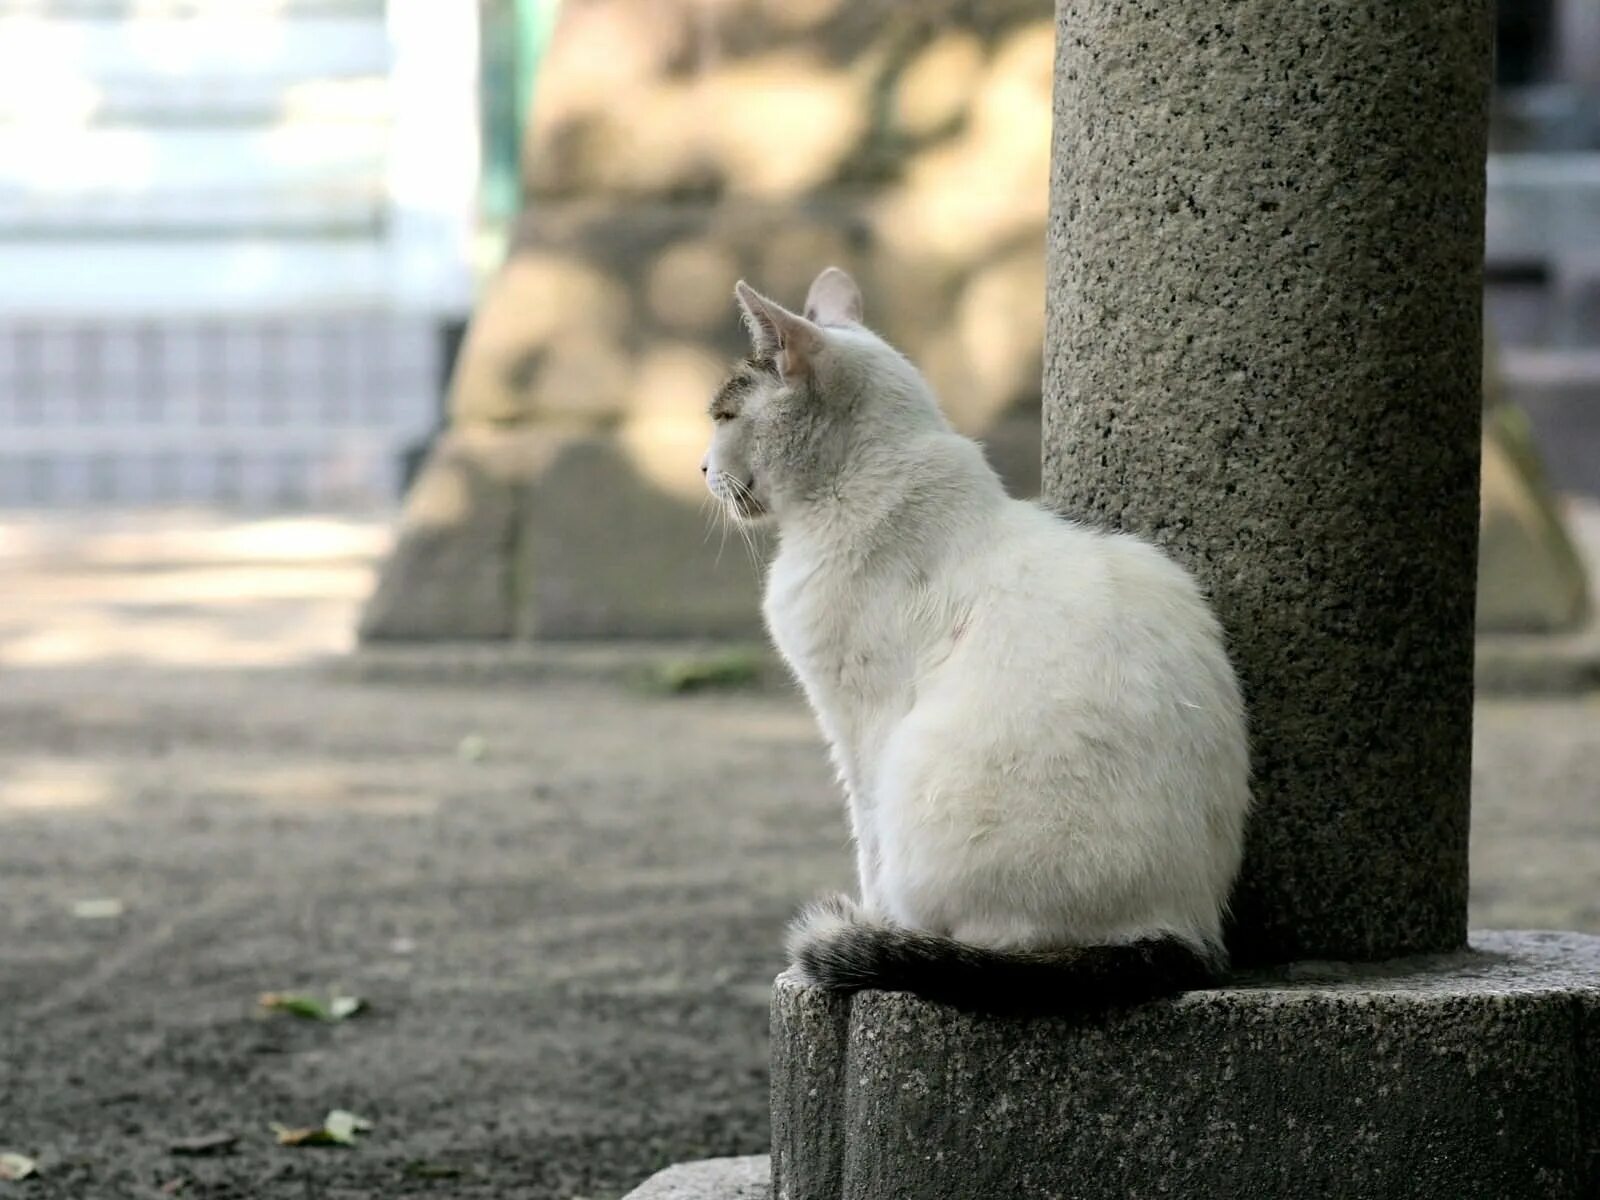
209, 1143
99, 908
338, 1128
335, 1008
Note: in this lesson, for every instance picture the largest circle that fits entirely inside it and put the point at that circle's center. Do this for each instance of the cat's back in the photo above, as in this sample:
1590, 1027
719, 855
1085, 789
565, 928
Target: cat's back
1061, 593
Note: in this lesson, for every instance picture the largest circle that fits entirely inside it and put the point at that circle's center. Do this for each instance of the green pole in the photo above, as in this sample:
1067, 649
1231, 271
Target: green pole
512, 40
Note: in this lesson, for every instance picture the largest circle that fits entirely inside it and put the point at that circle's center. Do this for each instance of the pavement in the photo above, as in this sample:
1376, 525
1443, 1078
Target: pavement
560, 895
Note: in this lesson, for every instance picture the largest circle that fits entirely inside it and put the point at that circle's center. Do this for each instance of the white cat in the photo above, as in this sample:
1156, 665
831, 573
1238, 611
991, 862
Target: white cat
1036, 724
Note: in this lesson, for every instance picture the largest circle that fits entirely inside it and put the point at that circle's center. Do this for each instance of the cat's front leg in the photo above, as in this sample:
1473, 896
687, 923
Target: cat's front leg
869, 859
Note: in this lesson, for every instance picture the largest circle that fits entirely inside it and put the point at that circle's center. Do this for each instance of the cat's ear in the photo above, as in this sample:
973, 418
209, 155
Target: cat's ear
776, 333
834, 299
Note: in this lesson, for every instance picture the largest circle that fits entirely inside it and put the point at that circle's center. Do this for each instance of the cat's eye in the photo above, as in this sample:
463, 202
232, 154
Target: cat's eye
722, 418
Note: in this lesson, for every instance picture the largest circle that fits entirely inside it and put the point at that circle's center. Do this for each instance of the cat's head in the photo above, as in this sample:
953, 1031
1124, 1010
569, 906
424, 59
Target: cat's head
816, 393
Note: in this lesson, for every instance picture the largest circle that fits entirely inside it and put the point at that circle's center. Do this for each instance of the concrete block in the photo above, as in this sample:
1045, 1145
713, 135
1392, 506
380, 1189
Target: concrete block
710, 1179
1473, 1076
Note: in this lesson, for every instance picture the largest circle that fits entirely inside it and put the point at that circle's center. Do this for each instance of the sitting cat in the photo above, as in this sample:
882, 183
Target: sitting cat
1036, 725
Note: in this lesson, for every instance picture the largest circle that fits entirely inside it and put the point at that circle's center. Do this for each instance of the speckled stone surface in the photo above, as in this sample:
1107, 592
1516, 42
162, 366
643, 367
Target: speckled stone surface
1473, 1076
745, 1178
1263, 352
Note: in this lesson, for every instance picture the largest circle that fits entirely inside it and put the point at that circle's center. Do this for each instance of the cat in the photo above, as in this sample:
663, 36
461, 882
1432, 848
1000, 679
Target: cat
1040, 737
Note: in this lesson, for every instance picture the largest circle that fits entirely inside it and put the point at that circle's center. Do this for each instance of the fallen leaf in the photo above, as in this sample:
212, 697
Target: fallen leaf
428, 1170
732, 668
310, 1135
102, 908
173, 1186
343, 1126
308, 1007
473, 747
338, 1128
338, 1008
17, 1166
209, 1143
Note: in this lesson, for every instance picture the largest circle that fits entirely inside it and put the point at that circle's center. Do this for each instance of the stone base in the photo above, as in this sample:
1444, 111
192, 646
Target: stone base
1531, 577
638, 662
1467, 1076
710, 1179
556, 533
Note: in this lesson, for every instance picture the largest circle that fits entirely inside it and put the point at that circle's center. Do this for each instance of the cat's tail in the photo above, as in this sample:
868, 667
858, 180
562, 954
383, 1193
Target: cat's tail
834, 945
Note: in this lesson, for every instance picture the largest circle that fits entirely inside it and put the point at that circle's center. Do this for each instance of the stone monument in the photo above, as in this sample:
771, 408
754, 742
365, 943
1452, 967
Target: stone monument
1263, 352
1531, 578
675, 146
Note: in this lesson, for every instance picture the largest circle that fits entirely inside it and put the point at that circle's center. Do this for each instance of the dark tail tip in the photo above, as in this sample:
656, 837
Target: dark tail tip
835, 946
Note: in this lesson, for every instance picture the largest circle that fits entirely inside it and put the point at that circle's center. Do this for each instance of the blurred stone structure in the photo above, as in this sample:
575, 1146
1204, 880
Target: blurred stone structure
1531, 578
676, 146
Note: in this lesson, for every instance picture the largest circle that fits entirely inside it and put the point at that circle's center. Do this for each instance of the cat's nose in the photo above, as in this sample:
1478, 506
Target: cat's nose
705, 464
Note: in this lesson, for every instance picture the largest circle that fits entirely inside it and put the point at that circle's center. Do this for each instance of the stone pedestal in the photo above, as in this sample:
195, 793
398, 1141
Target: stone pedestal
1473, 1076
746, 1178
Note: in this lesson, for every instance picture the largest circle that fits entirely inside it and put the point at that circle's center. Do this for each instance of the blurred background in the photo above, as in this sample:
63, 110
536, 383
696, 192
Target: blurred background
246, 246
355, 571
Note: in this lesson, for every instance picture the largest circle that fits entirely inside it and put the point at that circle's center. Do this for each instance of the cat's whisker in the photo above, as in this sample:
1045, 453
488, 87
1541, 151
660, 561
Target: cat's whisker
708, 506
722, 526
743, 504
750, 546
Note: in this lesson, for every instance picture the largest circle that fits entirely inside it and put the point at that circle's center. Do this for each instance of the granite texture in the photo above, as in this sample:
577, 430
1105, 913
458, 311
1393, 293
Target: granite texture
1471, 1076
1264, 343
747, 1178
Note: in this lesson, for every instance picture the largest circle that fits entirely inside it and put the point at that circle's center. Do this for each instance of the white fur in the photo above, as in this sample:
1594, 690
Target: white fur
1036, 724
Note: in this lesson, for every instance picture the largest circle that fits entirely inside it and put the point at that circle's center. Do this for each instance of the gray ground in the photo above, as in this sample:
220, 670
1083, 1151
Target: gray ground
563, 901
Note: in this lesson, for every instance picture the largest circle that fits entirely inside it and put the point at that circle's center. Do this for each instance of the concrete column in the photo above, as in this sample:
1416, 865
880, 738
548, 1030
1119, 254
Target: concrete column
1263, 352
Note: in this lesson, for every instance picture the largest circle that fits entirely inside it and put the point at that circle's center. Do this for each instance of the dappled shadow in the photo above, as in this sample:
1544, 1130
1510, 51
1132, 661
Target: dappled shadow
676, 147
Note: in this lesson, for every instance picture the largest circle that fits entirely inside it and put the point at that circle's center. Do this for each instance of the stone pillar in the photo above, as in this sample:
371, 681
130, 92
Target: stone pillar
1263, 353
